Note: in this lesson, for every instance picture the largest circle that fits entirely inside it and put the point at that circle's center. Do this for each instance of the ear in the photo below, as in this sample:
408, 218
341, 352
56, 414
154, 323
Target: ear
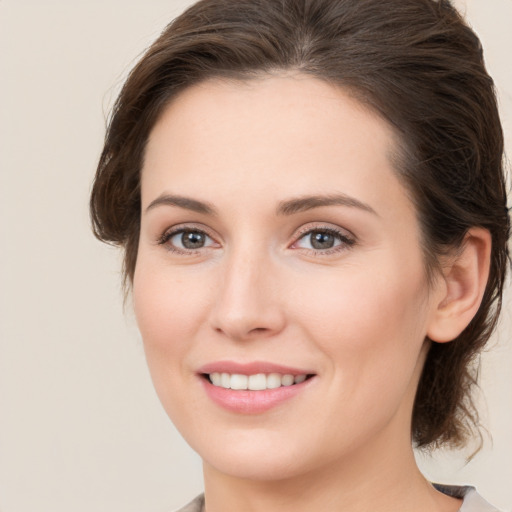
461, 287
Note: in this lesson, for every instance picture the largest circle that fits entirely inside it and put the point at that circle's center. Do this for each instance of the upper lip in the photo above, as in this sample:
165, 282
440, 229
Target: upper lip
251, 368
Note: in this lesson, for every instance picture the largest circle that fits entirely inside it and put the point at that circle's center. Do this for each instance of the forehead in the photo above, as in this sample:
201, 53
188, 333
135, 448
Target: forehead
282, 103
281, 135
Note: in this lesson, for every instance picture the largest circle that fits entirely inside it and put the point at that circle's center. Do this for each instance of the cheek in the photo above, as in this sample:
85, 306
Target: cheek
371, 327
165, 295
370, 319
168, 307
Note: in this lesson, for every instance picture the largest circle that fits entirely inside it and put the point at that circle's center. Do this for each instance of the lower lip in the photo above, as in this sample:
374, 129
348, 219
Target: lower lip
252, 402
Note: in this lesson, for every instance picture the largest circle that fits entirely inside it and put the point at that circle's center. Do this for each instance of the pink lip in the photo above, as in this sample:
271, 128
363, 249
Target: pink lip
247, 401
251, 368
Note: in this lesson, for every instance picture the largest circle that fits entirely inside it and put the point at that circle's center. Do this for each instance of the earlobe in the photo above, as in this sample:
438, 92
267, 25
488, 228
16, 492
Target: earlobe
464, 278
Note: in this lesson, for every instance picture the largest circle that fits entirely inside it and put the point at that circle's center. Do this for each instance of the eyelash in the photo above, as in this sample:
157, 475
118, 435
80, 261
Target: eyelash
169, 234
346, 242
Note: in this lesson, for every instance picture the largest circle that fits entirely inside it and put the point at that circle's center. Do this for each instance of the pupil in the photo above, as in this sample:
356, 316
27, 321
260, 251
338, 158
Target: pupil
192, 240
321, 240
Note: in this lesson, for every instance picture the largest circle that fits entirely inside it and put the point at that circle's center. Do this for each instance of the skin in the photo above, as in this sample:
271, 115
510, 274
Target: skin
355, 315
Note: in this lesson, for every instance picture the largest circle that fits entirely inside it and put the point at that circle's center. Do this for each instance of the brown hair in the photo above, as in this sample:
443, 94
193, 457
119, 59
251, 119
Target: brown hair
416, 63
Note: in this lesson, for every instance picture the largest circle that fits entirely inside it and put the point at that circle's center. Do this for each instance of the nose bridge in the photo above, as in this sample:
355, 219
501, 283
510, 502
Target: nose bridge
245, 303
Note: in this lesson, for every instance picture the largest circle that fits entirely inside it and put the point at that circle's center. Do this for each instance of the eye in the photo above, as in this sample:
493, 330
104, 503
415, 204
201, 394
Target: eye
325, 240
186, 240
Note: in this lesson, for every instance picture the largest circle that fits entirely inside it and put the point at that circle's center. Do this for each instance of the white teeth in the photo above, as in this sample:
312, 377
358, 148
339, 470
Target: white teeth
257, 382
273, 381
287, 380
238, 381
225, 380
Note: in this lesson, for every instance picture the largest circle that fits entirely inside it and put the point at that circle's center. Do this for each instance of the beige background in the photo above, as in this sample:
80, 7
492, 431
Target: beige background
80, 427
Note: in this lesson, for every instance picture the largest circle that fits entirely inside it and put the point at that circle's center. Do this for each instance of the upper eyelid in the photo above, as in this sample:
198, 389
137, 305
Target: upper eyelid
325, 226
177, 228
171, 231
296, 235
346, 237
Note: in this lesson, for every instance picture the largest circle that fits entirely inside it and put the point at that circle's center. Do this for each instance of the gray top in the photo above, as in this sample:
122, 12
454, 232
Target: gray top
473, 502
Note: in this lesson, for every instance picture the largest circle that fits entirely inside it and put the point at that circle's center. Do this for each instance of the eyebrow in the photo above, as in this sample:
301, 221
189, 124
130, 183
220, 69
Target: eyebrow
182, 202
288, 207
304, 203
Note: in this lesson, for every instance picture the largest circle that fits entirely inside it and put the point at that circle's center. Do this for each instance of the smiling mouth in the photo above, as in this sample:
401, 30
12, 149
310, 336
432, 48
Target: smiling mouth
255, 382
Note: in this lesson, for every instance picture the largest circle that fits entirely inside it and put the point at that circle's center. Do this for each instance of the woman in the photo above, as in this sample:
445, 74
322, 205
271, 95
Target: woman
311, 200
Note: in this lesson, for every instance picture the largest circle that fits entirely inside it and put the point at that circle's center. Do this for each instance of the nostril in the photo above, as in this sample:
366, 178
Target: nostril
258, 329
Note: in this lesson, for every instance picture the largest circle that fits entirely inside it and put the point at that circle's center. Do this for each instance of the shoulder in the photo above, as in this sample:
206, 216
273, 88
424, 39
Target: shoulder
196, 505
472, 501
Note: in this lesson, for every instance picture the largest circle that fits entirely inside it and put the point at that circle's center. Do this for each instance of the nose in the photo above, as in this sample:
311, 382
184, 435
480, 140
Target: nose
248, 302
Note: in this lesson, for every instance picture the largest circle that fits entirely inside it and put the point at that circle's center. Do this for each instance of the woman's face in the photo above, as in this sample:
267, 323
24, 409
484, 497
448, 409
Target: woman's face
277, 240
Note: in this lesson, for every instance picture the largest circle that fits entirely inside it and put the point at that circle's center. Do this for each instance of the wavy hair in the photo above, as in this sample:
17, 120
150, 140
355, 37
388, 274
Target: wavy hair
416, 63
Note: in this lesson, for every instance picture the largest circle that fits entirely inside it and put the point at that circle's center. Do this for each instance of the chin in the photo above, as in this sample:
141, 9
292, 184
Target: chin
251, 457
260, 467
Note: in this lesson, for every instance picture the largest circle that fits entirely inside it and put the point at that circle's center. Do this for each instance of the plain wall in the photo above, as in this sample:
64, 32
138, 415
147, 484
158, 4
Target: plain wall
80, 426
